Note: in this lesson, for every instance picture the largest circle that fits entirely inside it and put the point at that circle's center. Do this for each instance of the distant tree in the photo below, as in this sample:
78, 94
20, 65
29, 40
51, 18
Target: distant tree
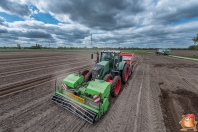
193, 47
38, 46
18, 46
195, 39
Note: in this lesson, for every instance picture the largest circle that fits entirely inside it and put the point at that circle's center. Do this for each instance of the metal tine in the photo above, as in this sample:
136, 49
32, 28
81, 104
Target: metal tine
57, 98
92, 113
72, 111
77, 109
89, 112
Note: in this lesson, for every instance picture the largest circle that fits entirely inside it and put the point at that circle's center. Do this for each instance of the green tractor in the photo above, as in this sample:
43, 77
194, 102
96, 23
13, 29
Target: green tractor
87, 93
163, 51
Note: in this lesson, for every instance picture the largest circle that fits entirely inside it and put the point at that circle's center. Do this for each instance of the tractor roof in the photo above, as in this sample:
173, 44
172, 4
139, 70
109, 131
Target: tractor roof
115, 51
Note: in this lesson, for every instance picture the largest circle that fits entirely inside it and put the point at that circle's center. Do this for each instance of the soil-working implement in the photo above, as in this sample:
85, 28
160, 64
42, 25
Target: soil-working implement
87, 93
163, 51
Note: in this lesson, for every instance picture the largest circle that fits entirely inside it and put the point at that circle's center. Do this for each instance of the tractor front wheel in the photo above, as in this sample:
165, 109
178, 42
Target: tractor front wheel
108, 78
116, 86
88, 76
84, 73
125, 74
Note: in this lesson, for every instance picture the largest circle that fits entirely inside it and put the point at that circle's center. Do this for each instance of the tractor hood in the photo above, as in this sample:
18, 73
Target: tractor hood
97, 86
96, 70
73, 80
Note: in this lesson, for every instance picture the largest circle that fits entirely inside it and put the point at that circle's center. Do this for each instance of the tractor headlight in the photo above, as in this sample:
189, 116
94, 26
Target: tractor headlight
95, 73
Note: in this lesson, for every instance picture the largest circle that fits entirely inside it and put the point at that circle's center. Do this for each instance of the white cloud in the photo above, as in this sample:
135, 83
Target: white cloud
124, 23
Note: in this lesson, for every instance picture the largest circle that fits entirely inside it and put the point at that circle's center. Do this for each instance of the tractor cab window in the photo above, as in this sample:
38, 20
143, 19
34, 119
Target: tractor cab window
96, 70
116, 57
106, 56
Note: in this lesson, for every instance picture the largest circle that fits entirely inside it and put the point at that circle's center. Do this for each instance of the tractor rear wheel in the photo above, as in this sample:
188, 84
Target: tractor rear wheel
88, 77
116, 86
131, 69
125, 74
108, 78
84, 73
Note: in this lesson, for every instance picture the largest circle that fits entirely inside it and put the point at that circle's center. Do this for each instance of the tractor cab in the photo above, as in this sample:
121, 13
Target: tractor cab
109, 61
112, 56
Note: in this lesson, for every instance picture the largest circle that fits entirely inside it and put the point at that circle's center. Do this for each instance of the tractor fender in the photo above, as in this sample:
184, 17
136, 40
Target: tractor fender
121, 65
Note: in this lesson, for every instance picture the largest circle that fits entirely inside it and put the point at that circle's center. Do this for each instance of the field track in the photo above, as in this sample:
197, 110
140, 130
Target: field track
158, 93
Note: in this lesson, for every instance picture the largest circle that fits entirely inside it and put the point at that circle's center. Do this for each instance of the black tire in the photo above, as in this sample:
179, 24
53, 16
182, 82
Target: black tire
124, 72
84, 72
107, 77
131, 70
115, 82
88, 77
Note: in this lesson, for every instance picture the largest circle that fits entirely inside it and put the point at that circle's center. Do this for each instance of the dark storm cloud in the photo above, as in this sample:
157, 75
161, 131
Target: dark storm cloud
178, 13
3, 31
15, 7
28, 34
98, 14
36, 34
132, 23
71, 37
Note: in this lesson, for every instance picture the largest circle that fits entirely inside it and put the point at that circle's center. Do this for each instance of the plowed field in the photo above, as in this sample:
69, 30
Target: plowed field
158, 93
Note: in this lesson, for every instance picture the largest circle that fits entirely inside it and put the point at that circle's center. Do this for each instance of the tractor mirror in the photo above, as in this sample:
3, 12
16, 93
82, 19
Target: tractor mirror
120, 58
91, 56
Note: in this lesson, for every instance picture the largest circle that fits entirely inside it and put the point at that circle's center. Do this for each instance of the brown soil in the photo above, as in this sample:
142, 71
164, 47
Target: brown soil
156, 96
185, 52
172, 65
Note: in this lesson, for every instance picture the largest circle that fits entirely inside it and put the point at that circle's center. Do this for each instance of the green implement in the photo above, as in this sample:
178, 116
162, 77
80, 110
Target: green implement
87, 94
163, 51
88, 100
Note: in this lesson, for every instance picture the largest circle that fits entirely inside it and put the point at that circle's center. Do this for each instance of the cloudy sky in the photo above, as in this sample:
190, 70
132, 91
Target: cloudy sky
112, 23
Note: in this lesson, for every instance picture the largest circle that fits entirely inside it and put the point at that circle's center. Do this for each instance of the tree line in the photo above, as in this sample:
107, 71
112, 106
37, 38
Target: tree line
194, 47
195, 39
39, 46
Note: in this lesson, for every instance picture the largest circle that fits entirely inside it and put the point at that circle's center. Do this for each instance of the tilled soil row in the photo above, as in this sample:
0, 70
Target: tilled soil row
158, 93
173, 82
24, 62
20, 68
59, 78
23, 108
15, 77
34, 82
26, 58
33, 55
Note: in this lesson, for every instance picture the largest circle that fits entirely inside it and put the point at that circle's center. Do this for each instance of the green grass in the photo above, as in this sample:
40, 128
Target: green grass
137, 51
194, 57
68, 50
